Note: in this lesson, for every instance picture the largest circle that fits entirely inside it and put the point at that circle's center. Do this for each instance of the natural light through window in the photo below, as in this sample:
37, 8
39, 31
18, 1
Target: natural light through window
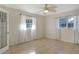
23, 27
33, 27
71, 19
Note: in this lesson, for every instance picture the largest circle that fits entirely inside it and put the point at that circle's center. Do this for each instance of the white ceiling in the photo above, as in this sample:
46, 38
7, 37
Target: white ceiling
34, 8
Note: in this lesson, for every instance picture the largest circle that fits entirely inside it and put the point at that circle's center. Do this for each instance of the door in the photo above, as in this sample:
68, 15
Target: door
27, 29
31, 28
3, 31
67, 29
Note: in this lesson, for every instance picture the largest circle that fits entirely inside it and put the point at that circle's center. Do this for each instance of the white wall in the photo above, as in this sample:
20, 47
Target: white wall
51, 27
77, 31
67, 35
52, 31
40, 26
14, 23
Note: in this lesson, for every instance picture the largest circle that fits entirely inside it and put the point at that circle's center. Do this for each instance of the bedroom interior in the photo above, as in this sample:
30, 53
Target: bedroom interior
39, 28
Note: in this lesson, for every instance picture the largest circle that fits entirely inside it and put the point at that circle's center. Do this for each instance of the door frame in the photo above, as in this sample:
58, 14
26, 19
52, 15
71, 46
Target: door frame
2, 50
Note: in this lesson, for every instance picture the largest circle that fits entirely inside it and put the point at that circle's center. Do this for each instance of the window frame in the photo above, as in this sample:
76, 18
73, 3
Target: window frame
29, 24
67, 22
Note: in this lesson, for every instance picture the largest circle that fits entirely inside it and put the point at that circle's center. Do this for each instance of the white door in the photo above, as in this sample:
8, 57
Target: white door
31, 28
67, 31
27, 29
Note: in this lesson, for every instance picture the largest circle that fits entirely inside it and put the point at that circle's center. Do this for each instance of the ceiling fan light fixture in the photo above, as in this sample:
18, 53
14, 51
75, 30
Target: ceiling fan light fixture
45, 11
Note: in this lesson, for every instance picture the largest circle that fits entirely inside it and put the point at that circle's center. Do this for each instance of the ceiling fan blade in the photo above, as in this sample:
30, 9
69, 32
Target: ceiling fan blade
41, 10
52, 10
52, 7
46, 9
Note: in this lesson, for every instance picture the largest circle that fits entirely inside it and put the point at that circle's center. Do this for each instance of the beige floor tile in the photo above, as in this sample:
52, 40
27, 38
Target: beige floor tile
44, 46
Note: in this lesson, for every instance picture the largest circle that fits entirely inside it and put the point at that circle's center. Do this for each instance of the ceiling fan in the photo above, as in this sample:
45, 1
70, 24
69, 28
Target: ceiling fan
47, 9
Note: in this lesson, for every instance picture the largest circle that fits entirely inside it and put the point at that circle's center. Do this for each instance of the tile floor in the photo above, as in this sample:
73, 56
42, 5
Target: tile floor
44, 46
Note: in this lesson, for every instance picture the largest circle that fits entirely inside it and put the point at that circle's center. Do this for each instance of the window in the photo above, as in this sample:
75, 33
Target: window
71, 22
66, 22
62, 22
28, 23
